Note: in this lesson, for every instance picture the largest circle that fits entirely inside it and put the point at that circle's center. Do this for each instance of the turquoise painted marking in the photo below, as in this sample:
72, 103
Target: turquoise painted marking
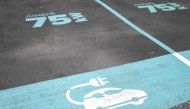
39, 21
153, 7
161, 44
61, 19
164, 79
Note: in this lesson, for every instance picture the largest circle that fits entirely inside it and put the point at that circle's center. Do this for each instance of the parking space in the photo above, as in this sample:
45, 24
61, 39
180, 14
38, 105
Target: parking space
106, 54
31, 54
166, 20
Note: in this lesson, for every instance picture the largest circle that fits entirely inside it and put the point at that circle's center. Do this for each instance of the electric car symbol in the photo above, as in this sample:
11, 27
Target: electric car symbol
103, 99
111, 101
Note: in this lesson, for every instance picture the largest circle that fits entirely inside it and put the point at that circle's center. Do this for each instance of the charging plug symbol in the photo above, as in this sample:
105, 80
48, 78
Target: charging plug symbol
95, 82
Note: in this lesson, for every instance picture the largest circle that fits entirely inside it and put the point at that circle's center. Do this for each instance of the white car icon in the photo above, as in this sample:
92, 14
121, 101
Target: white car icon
112, 101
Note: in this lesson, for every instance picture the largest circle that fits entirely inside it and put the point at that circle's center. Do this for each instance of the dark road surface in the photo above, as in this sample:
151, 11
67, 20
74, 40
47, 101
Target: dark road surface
47, 39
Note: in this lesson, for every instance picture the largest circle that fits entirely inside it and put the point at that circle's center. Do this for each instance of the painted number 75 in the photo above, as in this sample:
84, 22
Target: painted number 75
164, 7
61, 19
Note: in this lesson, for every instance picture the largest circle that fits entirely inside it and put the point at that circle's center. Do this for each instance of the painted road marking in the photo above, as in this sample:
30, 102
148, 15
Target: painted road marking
135, 27
154, 7
157, 82
60, 19
122, 98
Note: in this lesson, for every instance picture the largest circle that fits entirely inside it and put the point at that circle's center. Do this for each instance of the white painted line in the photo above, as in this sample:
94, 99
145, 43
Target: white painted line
146, 34
183, 59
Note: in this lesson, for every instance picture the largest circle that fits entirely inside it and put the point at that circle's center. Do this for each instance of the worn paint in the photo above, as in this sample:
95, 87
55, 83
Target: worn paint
164, 79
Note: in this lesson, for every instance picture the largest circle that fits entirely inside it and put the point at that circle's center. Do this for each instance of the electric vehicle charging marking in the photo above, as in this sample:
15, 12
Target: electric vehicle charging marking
160, 78
123, 98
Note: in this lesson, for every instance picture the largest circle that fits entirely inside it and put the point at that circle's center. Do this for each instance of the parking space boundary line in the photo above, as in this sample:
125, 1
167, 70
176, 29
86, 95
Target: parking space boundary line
152, 38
